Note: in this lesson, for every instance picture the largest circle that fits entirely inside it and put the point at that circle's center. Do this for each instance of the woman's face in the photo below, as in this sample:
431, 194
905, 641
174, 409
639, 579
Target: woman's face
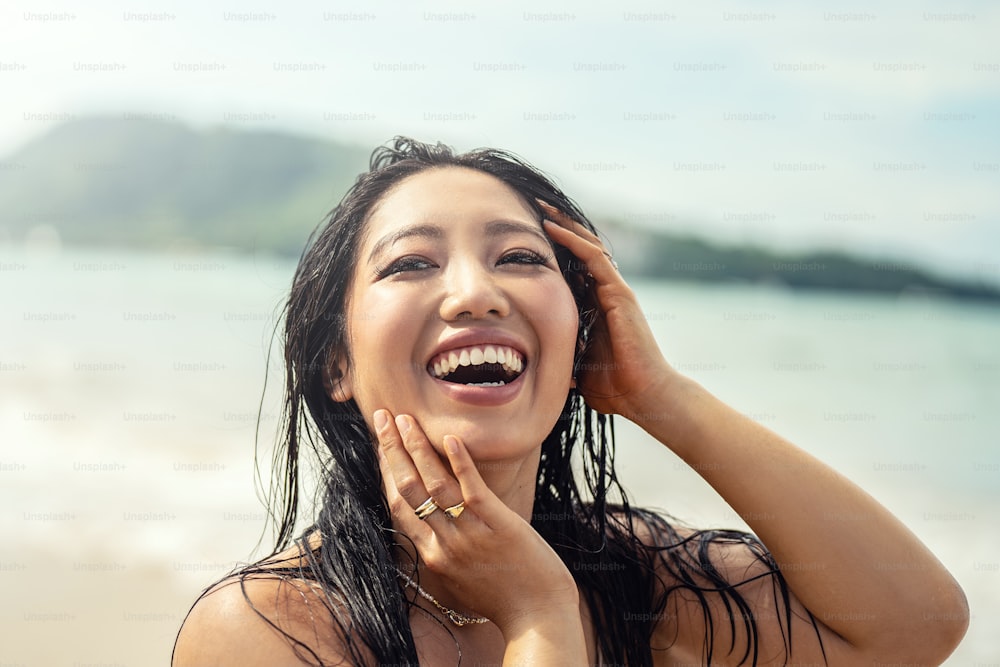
459, 315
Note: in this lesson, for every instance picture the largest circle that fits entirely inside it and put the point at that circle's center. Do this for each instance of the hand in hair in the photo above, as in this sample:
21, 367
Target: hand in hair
622, 361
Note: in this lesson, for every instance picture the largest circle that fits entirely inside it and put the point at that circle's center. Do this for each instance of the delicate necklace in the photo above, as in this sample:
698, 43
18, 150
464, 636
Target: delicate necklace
456, 617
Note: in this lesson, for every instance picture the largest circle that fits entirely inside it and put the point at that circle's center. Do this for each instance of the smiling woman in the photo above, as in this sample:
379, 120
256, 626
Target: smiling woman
456, 338
456, 266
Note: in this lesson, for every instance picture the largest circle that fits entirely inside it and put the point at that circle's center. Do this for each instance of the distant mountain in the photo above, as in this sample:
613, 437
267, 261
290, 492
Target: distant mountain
153, 184
678, 257
146, 183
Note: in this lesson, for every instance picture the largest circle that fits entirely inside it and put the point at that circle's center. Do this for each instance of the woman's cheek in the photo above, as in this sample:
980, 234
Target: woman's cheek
569, 320
374, 337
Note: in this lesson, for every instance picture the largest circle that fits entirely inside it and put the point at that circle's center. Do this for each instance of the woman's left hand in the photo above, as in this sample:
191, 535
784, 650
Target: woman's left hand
486, 556
623, 363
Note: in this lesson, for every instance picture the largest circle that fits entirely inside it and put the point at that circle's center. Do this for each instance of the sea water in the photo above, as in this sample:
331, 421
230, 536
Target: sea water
132, 389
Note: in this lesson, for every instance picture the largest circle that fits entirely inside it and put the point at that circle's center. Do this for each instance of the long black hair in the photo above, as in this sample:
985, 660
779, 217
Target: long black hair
350, 550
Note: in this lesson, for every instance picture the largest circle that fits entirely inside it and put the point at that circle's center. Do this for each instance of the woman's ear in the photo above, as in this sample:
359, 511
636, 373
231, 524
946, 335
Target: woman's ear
337, 380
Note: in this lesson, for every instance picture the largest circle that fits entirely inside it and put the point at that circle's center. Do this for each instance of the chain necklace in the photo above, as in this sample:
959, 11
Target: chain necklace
456, 617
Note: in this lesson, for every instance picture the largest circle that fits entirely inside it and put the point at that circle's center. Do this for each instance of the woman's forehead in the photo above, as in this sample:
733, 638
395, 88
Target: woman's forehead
444, 196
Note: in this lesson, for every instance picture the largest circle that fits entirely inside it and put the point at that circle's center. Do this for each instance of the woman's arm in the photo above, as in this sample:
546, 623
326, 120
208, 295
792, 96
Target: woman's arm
874, 588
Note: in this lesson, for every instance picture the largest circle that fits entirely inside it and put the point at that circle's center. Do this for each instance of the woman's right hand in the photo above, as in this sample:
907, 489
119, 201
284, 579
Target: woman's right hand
489, 558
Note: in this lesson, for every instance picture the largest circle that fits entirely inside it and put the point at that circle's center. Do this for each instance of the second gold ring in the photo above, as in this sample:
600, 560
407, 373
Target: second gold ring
455, 511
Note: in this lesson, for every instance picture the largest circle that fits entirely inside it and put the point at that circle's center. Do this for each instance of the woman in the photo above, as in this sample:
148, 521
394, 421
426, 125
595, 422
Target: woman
454, 333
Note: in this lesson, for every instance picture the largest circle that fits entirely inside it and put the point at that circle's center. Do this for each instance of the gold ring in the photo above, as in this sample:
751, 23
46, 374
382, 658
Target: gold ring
455, 511
426, 508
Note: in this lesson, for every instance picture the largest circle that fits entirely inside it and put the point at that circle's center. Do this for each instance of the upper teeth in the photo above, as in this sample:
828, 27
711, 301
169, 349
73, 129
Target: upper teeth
507, 357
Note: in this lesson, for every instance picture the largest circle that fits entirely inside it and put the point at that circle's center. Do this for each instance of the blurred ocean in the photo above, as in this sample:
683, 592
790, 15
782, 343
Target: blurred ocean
130, 384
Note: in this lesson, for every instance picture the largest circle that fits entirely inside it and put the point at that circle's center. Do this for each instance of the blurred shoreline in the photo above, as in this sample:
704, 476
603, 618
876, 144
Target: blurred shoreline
212, 189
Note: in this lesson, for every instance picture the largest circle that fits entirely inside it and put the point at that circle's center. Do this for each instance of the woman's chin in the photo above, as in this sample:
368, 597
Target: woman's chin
500, 443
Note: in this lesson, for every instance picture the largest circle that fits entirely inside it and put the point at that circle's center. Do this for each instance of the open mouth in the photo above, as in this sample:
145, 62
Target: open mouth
478, 365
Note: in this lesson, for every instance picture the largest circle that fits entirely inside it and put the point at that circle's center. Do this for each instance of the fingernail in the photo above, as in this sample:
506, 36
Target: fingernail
451, 444
403, 424
381, 420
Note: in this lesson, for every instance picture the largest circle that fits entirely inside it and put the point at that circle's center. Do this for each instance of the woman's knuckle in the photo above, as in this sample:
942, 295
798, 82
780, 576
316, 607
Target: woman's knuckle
437, 487
398, 504
473, 499
409, 486
434, 560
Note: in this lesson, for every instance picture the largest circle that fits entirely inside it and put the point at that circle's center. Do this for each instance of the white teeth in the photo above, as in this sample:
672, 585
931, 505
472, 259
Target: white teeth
474, 356
486, 384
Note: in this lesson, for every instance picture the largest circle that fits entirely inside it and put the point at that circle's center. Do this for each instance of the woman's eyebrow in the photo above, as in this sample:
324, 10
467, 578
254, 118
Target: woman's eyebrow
424, 231
492, 229
506, 227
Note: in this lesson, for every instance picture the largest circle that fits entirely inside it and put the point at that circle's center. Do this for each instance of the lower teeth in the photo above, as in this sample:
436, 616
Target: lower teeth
487, 384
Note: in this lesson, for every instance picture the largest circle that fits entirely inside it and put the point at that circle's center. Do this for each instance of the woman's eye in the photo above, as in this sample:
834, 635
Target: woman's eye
404, 264
523, 257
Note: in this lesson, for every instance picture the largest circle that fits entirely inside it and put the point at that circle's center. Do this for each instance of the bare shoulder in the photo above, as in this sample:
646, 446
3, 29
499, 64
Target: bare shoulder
727, 596
264, 618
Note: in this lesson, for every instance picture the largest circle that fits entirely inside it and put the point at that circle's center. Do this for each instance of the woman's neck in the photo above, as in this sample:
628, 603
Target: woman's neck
513, 482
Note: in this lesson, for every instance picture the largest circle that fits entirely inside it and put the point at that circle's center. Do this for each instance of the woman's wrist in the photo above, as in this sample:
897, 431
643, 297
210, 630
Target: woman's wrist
556, 609
546, 636
664, 408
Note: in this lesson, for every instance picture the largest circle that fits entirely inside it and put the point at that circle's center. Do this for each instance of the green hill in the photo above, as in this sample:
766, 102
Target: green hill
677, 257
153, 184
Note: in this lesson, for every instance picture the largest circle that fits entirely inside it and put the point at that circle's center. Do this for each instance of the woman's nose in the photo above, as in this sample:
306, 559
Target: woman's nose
473, 292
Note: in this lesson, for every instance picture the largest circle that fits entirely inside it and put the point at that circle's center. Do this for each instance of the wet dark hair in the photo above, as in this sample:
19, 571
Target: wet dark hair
594, 529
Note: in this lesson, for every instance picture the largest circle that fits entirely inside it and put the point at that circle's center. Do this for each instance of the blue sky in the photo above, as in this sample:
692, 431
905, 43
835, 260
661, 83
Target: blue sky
790, 124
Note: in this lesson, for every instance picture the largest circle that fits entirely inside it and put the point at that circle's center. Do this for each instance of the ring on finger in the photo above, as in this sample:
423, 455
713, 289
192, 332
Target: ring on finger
455, 511
426, 508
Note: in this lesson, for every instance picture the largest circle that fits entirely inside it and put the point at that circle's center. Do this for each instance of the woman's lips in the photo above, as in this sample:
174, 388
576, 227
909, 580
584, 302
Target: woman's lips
480, 395
479, 366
